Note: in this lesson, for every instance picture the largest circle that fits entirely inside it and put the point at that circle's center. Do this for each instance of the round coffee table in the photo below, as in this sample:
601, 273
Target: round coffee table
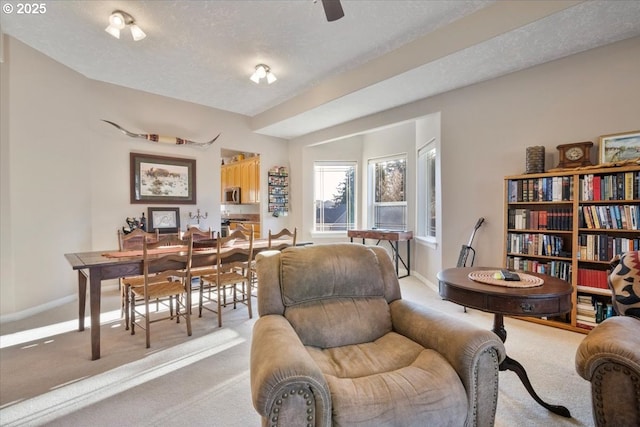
552, 298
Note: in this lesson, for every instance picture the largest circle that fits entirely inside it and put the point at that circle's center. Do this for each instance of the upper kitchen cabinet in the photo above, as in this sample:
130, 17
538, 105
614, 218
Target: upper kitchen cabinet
243, 174
250, 180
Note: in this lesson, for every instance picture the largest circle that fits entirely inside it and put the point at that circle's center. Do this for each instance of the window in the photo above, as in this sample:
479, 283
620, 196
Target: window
387, 184
335, 196
426, 200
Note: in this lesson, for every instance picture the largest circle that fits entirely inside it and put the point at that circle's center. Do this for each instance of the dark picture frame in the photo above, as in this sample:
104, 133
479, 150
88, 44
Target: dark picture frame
166, 220
619, 147
162, 180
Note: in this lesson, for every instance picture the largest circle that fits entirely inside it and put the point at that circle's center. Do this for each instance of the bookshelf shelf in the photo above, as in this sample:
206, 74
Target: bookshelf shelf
570, 224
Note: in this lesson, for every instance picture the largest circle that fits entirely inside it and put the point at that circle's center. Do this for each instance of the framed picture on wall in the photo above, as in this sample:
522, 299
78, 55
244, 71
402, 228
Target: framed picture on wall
620, 147
166, 220
162, 180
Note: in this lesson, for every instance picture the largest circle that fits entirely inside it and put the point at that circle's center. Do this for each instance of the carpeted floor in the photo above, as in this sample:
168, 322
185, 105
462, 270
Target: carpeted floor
47, 377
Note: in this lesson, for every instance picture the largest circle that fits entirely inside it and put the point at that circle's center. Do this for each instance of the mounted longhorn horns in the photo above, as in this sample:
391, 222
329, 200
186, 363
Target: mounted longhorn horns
160, 138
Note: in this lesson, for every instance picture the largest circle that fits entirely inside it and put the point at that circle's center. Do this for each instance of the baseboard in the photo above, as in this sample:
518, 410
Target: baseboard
425, 281
31, 311
37, 309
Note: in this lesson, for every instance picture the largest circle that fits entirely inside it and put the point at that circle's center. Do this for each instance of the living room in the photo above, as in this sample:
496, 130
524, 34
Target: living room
65, 173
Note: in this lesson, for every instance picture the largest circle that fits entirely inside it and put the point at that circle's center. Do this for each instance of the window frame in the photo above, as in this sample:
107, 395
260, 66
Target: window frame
371, 180
426, 192
349, 226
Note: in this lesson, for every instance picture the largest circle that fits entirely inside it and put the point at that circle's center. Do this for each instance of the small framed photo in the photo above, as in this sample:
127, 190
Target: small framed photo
162, 180
619, 147
166, 220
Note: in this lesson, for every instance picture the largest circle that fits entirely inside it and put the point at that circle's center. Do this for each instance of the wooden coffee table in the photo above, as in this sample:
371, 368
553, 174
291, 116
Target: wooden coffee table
552, 298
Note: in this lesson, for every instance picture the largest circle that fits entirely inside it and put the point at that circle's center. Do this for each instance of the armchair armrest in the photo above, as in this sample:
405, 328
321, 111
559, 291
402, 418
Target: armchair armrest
609, 358
615, 340
458, 341
287, 386
473, 352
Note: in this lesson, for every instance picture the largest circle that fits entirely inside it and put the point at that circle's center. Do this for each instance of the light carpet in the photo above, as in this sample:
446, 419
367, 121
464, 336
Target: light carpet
47, 377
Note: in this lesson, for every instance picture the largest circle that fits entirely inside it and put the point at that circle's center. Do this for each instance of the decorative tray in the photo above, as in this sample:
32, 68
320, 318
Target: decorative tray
487, 277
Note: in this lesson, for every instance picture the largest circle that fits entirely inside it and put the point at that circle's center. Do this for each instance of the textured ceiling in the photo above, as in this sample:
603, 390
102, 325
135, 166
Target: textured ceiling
380, 55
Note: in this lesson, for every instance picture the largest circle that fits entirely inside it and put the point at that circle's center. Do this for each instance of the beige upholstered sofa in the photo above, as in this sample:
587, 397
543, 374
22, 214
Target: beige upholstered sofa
336, 344
609, 357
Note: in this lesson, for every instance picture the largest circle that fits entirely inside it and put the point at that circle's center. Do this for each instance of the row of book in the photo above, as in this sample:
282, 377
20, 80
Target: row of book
592, 278
543, 219
590, 311
548, 189
535, 244
618, 186
559, 269
616, 217
600, 247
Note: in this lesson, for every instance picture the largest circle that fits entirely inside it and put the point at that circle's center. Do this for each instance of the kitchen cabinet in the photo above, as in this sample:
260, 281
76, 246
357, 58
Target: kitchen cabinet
244, 174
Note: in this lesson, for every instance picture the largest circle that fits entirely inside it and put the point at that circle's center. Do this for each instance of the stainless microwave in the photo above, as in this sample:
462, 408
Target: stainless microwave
231, 195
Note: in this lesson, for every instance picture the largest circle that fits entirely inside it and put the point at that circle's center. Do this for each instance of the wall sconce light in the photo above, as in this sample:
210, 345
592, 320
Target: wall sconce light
261, 72
118, 20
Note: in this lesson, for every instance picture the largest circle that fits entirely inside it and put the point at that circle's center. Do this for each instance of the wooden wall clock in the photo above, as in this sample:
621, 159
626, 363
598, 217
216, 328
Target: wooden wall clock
575, 155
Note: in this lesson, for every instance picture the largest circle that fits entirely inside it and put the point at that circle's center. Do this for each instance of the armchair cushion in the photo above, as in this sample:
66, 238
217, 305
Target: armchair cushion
624, 282
402, 383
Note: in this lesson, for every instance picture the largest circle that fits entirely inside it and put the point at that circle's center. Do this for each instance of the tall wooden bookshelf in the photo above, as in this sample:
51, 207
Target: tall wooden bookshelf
570, 224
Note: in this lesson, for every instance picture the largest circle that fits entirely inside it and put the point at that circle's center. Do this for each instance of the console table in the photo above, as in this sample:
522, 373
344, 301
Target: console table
393, 237
552, 298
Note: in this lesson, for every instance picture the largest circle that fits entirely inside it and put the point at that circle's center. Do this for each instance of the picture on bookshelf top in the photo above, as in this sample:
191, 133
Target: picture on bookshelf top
620, 147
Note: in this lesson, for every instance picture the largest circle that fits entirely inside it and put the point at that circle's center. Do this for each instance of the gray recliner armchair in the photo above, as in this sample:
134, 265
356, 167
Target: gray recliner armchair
337, 345
609, 357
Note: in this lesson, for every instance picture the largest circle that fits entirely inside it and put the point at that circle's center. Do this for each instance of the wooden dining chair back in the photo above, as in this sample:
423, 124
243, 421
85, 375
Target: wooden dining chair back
246, 229
282, 239
233, 254
132, 241
166, 268
198, 234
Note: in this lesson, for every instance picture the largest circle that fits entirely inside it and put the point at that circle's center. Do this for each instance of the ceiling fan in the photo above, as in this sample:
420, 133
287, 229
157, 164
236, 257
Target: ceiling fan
333, 9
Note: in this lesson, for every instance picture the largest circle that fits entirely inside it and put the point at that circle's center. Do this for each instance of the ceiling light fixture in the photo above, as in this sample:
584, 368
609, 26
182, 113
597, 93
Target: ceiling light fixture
261, 72
118, 20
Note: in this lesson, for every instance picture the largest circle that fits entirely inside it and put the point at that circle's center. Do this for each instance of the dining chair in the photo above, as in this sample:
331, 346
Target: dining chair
276, 241
132, 241
166, 268
282, 239
233, 254
199, 235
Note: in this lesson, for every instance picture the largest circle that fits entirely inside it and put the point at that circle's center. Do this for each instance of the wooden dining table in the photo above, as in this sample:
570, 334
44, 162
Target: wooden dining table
97, 266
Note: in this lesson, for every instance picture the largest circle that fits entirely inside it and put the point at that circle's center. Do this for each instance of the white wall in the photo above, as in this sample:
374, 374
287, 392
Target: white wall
65, 173
65, 180
486, 127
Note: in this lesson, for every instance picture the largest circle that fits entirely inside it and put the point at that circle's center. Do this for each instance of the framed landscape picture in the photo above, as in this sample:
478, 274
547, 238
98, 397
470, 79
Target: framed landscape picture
619, 147
166, 220
162, 180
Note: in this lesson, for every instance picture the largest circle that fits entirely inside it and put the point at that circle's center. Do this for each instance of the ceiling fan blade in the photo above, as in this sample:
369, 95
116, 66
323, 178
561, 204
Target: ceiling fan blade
333, 9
